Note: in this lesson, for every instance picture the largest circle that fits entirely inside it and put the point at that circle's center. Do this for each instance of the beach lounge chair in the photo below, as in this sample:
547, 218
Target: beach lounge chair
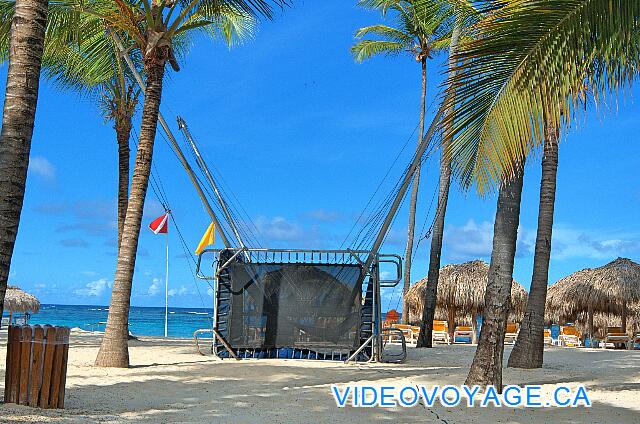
569, 336
440, 332
463, 331
615, 336
636, 340
511, 334
407, 332
547, 337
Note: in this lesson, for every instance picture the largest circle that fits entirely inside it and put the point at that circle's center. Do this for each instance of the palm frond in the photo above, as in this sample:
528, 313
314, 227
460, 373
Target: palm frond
255, 8
526, 66
420, 26
225, 21
386, 32
382, 6
366, 49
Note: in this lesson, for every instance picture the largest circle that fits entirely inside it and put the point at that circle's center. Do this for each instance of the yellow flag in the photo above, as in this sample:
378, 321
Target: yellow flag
208, 238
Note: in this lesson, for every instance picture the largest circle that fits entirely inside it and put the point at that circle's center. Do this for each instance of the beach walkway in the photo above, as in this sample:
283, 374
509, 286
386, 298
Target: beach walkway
168, 382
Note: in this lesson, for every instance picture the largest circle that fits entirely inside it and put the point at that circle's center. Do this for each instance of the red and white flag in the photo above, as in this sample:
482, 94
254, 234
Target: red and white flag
160, 225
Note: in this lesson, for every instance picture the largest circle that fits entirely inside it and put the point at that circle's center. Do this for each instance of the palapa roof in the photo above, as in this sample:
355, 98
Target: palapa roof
17, 300
462, 286
603, 290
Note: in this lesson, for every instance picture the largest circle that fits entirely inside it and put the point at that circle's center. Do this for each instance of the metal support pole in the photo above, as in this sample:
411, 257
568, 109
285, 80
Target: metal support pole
173, 142
166, 294
403, 189
182, 125
412, 168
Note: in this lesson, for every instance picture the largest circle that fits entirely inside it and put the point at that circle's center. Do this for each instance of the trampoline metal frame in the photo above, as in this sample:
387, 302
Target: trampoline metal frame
315, 257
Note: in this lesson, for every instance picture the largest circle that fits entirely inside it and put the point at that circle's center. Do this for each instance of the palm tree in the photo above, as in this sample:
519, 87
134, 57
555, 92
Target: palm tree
431, 292
118, 104
153, 27
525, 71
21, 97
529, 348
93, 66
496, 304
421, 35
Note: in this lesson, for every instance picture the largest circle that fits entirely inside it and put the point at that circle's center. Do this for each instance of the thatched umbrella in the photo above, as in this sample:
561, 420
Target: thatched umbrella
17, 300
461, 289
609, 289
601, 321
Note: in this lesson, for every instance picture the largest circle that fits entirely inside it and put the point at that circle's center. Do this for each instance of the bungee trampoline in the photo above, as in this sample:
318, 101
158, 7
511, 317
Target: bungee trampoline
295, 304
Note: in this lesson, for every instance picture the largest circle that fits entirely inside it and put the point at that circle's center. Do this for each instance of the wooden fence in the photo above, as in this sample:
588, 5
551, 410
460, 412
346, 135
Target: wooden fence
36, 369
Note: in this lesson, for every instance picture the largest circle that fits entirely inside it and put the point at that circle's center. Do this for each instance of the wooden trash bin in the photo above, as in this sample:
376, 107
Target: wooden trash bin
36, 371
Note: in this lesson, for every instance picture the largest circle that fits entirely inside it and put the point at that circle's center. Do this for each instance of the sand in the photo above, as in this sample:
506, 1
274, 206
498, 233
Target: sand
168, 382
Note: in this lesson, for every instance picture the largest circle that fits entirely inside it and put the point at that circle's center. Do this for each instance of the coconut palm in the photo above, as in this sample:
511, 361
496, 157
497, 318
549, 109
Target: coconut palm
528, 351
21, 96
94, 67
153, 27
91, 65
523, 72
421, 34
431, 290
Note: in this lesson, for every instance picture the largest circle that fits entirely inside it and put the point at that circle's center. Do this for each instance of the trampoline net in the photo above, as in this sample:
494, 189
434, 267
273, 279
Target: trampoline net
304, 306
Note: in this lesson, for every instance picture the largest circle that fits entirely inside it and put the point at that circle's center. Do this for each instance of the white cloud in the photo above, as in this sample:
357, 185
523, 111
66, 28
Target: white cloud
94, 289
323, 215
571, 243
152, 209
470, 241
180, 292
210, 292
280, 231
154, 288
41, 166
278, 228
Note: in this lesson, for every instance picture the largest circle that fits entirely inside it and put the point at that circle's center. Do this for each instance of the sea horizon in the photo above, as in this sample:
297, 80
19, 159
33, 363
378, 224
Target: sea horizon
143, 320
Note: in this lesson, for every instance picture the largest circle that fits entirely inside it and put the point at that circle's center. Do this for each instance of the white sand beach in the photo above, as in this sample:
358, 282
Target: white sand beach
169, 382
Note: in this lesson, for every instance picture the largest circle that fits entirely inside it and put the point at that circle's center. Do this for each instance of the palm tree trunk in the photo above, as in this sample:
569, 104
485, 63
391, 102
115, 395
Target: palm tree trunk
123, 132
529, 348
414, 201
431, 291
451, 322
26, 45
474, 327
114, 350
590, 318
486, 368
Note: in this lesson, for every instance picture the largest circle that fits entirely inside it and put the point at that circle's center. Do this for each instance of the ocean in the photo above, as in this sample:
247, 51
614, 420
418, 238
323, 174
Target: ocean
143, 321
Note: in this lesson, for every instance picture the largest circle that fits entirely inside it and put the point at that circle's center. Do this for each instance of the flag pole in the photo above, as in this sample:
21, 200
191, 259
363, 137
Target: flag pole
166, 290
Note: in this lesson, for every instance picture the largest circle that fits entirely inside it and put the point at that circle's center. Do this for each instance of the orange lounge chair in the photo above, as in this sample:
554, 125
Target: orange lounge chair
511, 334
463, 331
440, 332
569, 336
548, 340
614, 336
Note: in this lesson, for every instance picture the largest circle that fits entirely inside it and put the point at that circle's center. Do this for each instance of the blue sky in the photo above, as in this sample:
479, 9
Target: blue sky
302, 135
